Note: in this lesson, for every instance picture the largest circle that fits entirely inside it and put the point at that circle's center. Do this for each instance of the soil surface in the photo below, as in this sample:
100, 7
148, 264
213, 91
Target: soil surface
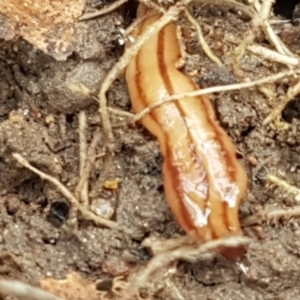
39, 120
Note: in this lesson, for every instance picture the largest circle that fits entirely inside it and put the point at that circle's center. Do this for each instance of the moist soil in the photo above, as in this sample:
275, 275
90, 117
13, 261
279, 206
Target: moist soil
42, 237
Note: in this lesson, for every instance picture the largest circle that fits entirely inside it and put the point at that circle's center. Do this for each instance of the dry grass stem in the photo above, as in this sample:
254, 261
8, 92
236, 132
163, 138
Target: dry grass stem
201, 39
174, 290
246, 9
103, 11
136, 23
264, 215
64, 191
292, 92
85, 91
261, 20
218, 89
188, 253
278, 213
271, 55
265, 9
259, 14
286, 186
82, 120
89, 163
159, 245
153, 6
256, 4
121, 113
25, 291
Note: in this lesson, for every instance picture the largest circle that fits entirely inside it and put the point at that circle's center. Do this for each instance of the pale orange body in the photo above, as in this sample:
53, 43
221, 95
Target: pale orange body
204, 182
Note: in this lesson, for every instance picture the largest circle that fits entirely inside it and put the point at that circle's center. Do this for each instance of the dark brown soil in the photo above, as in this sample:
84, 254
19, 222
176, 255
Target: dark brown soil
39, 119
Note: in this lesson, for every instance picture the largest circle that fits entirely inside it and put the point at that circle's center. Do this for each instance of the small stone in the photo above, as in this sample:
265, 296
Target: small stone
115, 266
12, 204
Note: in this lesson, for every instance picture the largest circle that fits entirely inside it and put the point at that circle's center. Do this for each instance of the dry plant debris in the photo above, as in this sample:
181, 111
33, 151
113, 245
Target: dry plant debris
201, 38
283, 184
269, 214
220, 89
75, 204
72, 288
102, 11
75, 287
25, 291
185, 252
48, 25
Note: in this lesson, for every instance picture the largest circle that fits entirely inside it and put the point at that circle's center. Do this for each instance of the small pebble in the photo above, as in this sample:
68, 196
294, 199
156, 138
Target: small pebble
12, 204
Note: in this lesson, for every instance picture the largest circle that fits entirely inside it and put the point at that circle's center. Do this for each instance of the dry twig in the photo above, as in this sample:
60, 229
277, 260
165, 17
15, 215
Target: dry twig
188, 253
25, 291
292, 92
83, 195
263, 215
85, 91
259, 14
283, 184
103, 11
74, 202
201, 38
271, 55
174, 290
89, 163
217, 89
261, 21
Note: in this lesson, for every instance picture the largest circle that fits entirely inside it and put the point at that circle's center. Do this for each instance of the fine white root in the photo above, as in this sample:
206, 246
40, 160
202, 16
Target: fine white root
292, 92
103, 11
201, 39
89, 163
82, 120
265, 215
189, 253
286, 186
218, 89
74, 202
25, 291
271, 55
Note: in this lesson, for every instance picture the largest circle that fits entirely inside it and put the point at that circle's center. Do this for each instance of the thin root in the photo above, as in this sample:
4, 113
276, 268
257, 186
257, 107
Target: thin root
264, 215
158, 245
25, 291
188, 253
274, 56
201, 38
74, 202
174, 290
89, 163
261, 21
103, 11
259, 14
292, 92
83, 195
217, 89
283, 184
